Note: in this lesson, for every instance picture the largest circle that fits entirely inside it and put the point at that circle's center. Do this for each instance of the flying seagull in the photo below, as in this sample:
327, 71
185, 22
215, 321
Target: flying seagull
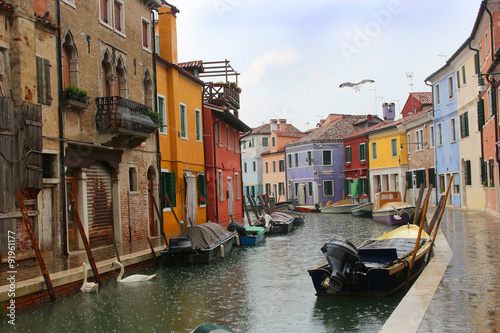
355, 86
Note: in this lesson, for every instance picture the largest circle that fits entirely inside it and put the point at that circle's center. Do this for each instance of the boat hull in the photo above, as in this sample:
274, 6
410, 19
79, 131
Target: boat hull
253, 238
199, 256
305, 208
363, 209
393, 217
343, 209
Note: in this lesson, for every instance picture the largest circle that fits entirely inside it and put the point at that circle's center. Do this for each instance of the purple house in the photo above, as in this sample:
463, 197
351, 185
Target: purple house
315, 163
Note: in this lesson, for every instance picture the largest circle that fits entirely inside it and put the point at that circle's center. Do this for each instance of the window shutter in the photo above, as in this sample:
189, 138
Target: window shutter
466, 118
476, 62
468, 178
480, 113
46, 82
39, 79
168, 182
409, 179
420, 177
432, 177
202, 189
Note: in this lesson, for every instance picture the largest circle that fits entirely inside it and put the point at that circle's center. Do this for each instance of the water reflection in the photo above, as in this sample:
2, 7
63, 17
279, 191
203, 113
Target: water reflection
265, 288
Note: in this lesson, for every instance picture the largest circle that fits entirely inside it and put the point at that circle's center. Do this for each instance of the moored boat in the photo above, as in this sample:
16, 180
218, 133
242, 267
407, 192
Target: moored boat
340, 207
199, 244
308, 208
363, 209
254, 235
276, 223
389, 208
379, 267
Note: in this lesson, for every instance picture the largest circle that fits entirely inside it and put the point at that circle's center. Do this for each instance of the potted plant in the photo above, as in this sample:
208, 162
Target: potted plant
155, 116
73, 92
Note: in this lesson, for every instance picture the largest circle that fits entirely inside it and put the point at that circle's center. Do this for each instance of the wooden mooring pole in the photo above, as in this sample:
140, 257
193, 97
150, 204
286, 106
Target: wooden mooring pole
76, 218
35, 246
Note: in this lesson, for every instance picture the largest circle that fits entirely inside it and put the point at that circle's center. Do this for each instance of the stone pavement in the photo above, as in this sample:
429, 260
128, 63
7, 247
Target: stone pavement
459, 291
67, 269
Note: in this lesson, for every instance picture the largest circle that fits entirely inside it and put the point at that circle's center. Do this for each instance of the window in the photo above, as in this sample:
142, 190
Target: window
432, 177
484, 171
157, 44
476, 63
408, 140
347, 186
119, 14
281, 188
198, 125
456, 184
43, 81
235, 141
309, 158
492, 175
491, 102
202, 189
439, 135
419, 134
146, 34
480, 55
162, 110
49, 162
374, 150
70, 61
275, 190
254, 166
274, 166
265, 142
409, 179
394, 148
168, 185
442, 184
362, 152
245, 167
486, 50
327, 157
267, 167
289, 161
348, 154
273, 141
105, 11
328, 188
296, 189
228, 144
431, 136
132, 179
438, 99
221, 186
453, 130
282, 165
296, 160
464, 80
480, 113
237, 185
309, 189
464, 125
268, 188
450, 87
183, 115
218, 134
420, 177
458, 79
467, 173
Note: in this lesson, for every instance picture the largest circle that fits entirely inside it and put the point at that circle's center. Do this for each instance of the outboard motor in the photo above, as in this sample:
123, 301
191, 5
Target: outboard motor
343, 257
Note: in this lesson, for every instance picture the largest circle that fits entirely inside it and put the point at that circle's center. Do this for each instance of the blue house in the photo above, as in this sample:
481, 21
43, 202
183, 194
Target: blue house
445, 129
315, 163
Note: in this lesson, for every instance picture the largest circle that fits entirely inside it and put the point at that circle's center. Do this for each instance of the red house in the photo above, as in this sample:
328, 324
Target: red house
221, 129
416, 102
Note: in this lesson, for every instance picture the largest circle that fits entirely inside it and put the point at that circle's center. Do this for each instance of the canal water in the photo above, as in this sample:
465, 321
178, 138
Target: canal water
264, 288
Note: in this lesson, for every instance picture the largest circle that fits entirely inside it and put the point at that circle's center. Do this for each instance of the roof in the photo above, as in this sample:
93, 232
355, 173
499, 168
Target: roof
228, 117
181, 70
331, 132
192, 64
288, 134
266, 129
423, 97
268, 152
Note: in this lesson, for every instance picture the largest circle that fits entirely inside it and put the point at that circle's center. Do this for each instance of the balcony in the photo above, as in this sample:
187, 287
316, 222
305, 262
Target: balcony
222, 94
123, 122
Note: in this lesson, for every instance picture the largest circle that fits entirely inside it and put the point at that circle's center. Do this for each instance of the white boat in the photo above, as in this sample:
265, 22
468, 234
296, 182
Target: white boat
340, 207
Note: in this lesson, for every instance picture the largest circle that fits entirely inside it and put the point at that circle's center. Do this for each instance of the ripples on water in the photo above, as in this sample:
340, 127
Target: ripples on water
265, 288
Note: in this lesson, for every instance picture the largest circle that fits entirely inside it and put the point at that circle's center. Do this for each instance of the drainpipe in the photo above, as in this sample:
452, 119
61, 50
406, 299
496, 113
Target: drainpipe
62, 172
215, 172
435, 169
241, 168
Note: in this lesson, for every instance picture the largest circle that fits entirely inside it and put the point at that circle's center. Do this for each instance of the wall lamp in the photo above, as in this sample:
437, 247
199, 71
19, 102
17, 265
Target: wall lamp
425, 144
481, 85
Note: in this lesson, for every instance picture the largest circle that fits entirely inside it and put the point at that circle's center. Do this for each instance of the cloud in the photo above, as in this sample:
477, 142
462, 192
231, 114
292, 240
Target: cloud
258, 68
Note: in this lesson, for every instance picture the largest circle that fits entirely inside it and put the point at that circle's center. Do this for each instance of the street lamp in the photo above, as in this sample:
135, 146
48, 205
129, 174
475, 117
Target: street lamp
481, 85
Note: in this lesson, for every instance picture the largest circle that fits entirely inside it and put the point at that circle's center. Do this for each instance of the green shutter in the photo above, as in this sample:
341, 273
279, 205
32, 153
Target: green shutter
420, 177
480, 113
168, 182
468, 178
432, 177
462, 126
39, 79
202, 189
160, 110
476, 63
409, 179
46, 82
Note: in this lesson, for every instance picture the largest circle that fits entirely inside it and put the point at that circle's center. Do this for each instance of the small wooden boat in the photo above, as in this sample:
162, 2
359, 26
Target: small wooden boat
389, 208
199, 244
379, 267
308, 208
276, 223
363, 209
340, 207
254, 235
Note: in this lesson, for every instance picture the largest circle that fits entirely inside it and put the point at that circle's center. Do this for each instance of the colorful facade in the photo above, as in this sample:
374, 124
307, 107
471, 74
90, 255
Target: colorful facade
179, 98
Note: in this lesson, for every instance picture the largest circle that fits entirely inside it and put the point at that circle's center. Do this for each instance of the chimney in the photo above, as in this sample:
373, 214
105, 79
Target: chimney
389, 112
274, 124
167, 29
282, 125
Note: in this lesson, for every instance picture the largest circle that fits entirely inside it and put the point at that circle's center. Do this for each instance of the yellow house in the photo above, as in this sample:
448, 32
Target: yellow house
179, 94
388, 162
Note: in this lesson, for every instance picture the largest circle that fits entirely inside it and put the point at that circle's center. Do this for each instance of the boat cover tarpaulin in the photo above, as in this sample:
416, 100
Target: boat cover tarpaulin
204, 236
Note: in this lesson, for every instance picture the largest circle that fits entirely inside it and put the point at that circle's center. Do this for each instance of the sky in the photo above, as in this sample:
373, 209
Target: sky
293, 55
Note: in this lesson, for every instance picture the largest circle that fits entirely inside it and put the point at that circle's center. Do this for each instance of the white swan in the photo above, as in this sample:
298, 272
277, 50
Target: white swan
131, 278
88, 287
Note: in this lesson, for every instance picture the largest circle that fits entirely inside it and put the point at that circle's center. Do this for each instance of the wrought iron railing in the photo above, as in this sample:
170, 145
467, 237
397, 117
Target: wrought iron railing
222, 94
115, 113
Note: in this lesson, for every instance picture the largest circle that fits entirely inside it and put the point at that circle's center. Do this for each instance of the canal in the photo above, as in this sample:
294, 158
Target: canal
264, 288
